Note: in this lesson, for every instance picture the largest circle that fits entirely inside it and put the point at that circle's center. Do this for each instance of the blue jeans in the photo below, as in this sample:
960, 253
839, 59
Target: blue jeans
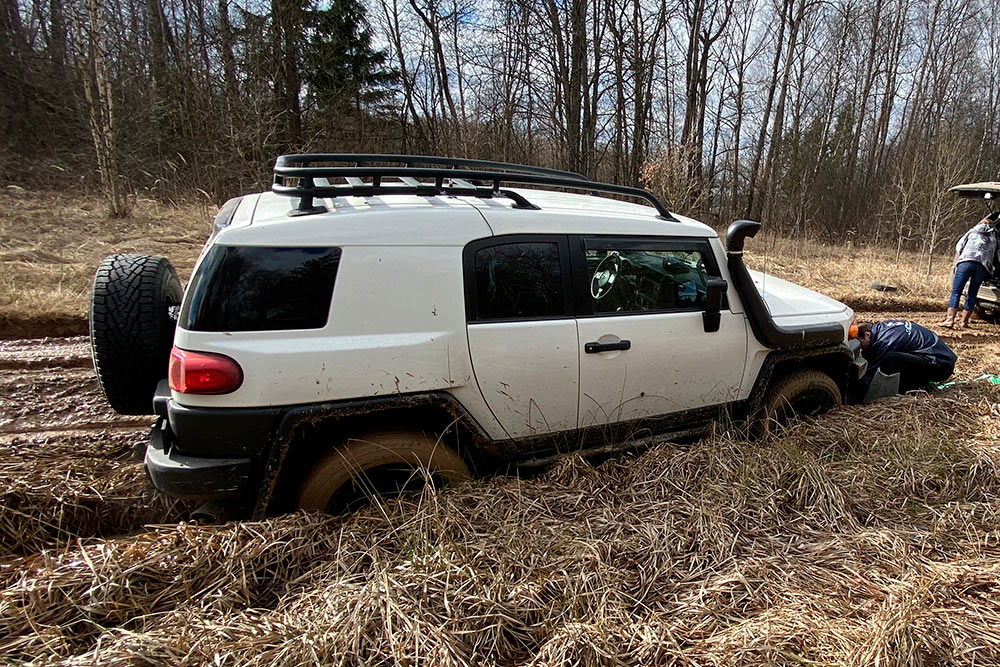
970, 272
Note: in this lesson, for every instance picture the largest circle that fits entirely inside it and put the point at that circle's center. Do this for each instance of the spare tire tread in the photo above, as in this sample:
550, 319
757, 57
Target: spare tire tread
129, 337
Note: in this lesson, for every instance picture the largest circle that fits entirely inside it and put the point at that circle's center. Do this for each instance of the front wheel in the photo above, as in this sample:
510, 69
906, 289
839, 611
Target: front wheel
379, 463
802, 394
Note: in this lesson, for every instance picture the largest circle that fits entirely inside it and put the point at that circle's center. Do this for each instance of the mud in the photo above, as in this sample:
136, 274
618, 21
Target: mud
45, 353
13, 326
67, 463
67, 466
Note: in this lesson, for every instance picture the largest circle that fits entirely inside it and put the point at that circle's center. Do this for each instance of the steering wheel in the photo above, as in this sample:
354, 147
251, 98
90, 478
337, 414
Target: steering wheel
605, 275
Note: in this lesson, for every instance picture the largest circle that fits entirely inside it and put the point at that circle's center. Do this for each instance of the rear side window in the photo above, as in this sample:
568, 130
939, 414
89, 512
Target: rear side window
249, 288
518, 281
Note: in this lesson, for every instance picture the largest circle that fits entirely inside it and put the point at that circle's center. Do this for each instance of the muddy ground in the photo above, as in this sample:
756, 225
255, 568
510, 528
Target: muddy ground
865, 538
67, 468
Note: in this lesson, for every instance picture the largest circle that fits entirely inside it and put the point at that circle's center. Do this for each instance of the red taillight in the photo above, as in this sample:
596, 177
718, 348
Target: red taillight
203, 373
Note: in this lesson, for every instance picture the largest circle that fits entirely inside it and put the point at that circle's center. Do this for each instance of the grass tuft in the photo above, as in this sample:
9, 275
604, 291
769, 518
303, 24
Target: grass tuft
863, 538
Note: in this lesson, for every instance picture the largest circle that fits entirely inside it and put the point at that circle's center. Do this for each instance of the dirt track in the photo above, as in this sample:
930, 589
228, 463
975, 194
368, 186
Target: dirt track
62, 448
67, 467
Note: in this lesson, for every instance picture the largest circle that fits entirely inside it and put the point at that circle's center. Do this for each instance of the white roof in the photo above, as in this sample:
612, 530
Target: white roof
444, 220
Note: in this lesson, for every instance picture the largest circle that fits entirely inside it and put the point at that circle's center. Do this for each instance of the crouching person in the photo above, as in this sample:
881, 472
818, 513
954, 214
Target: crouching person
898, 346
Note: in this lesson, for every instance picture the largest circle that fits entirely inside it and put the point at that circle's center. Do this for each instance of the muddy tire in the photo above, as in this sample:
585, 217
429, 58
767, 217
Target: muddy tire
132, 322
991, 316
379, 463
802, 394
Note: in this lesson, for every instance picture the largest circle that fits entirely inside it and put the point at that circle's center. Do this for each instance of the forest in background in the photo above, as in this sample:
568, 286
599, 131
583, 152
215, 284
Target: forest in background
844, 120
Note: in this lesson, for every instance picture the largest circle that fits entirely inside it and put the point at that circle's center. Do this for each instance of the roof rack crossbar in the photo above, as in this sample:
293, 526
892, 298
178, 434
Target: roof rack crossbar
464, 184
366, 159
307, 189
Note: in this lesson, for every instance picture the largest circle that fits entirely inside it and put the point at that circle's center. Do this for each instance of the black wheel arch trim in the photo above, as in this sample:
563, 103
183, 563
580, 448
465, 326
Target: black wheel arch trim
772, 370
293, 419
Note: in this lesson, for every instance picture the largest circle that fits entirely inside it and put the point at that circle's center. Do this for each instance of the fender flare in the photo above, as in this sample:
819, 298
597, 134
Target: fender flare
294, 419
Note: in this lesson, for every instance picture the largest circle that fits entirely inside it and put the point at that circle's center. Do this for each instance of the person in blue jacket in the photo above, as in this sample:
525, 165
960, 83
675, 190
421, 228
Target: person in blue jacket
898, 346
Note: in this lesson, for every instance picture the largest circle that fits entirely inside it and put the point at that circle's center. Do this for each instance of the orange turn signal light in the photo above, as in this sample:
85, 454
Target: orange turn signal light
852, 331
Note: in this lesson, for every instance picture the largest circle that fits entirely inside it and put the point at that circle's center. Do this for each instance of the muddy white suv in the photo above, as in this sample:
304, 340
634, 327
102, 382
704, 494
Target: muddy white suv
362, 321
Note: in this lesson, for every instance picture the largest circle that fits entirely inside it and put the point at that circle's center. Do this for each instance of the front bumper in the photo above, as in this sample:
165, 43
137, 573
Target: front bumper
192, 477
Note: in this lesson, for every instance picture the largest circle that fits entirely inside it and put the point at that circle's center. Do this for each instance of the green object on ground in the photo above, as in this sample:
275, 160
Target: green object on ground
992, 379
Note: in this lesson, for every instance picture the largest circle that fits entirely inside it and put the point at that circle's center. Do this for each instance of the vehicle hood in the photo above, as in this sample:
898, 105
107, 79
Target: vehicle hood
785, 299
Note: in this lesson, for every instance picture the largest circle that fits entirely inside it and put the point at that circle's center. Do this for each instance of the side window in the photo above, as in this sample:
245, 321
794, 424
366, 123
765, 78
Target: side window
517, 280
250, 288
629, 278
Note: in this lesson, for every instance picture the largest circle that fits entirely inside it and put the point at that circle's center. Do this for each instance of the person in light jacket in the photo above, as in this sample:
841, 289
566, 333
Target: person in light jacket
974, 255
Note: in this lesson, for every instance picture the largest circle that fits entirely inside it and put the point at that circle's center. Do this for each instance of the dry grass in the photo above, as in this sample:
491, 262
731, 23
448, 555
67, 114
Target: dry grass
56, 486
846, 273
866, 538
51, 244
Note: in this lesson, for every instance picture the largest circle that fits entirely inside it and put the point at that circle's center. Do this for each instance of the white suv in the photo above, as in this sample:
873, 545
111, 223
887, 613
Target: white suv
361, 322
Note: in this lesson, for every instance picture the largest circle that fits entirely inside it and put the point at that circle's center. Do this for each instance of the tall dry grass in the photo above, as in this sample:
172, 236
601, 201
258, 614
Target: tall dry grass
865, 538
51, 244
847, 272
56, 487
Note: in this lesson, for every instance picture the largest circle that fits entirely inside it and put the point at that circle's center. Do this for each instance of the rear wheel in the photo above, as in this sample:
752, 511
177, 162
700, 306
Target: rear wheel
991, 315
380, 463
133, 310
802, 394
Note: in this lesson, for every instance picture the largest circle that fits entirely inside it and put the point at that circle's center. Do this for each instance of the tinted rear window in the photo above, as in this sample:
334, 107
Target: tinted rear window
519, 281
242, 288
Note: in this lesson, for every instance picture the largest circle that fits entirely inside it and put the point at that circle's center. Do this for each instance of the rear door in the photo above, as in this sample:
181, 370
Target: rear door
522, 333
643, 348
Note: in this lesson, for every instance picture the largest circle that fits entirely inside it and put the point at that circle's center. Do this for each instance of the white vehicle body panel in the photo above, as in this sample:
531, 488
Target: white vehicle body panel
672, 366
398, 324
528, 373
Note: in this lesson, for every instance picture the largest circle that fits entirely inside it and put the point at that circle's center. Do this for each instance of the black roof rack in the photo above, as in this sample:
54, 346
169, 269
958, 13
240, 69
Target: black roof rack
297, 175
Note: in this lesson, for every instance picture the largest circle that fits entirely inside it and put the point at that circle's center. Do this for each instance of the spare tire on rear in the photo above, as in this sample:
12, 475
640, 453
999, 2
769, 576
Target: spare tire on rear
132, 320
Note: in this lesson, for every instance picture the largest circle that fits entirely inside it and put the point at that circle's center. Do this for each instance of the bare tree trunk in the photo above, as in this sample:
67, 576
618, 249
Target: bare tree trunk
100, 104
226, 53
753, 201
774, 154
431, 21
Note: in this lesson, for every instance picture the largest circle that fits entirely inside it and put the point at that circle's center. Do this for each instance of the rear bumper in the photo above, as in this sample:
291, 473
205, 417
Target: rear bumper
206, 453
989, 296
193, 477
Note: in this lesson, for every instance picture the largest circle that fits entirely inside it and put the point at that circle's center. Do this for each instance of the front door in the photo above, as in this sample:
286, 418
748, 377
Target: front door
643, 348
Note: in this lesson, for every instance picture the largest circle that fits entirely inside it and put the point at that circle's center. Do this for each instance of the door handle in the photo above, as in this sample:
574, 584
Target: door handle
594, 348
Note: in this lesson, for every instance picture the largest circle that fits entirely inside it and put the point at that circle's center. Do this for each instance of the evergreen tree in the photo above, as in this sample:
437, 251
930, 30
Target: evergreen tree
344, 73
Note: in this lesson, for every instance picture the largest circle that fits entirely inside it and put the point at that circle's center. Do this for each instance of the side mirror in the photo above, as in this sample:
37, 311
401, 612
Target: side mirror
712, 316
